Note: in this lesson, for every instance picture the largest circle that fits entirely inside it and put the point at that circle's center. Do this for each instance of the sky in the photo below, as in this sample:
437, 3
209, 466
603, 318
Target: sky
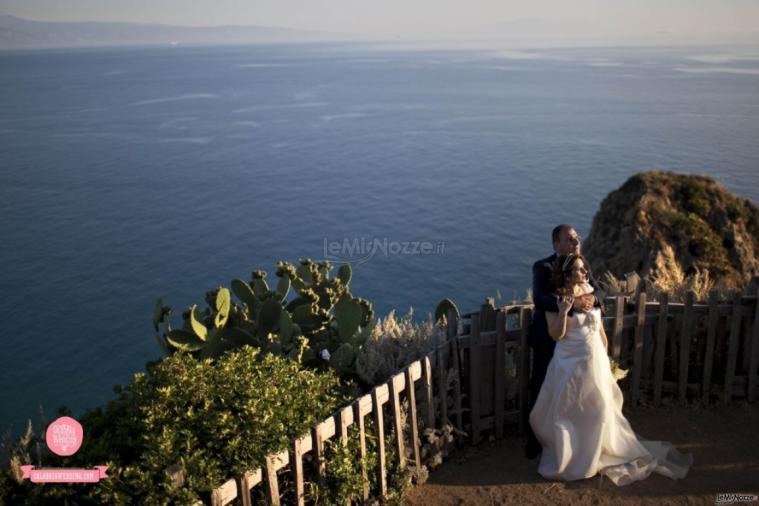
610, 20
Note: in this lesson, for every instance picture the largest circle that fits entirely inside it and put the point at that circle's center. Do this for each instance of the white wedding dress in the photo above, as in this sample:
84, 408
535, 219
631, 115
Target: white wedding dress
578, 418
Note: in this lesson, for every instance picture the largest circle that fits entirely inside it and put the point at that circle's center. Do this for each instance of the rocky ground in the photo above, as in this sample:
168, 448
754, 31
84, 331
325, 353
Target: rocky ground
724, 442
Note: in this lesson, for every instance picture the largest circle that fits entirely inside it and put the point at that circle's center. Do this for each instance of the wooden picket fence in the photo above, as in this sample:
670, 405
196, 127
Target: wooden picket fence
477, 380
673, 351
709, 350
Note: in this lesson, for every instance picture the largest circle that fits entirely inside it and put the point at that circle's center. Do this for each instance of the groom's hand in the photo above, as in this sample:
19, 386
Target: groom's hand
584, 302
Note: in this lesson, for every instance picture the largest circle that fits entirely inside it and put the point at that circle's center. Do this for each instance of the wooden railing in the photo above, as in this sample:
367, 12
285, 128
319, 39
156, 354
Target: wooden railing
704, 350
688, 342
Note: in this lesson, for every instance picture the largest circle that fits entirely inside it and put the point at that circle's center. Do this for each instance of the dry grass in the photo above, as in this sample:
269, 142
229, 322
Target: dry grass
674, 282
395, 343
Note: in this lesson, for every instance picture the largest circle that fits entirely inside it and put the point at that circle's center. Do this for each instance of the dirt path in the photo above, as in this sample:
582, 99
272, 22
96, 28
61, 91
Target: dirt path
724, 443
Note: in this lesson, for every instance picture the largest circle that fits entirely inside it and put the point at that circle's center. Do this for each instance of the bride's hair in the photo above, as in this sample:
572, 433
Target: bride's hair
562, 270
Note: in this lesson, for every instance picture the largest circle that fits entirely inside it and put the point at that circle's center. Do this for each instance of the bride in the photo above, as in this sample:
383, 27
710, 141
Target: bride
577, 416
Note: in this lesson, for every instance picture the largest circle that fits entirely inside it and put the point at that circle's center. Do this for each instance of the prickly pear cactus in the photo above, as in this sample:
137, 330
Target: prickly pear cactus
321, 316
342, 360
443, 307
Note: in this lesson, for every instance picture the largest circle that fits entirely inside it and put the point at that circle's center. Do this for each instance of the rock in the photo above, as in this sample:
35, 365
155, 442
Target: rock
662, 224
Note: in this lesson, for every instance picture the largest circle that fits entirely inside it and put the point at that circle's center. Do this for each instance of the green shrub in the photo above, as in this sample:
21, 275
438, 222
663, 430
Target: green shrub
343, 469
695, 195
213, 419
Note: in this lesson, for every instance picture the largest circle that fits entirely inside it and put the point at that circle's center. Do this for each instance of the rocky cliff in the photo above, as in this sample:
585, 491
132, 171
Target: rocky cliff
660, 223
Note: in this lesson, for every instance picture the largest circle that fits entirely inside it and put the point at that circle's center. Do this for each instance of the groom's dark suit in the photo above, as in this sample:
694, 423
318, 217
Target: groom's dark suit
540, 341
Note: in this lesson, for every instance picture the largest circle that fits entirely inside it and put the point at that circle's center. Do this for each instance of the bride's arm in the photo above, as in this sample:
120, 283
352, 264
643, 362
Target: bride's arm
604, 339
557, 324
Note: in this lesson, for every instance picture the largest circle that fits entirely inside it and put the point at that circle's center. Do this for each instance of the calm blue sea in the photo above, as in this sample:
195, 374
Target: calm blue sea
129, 174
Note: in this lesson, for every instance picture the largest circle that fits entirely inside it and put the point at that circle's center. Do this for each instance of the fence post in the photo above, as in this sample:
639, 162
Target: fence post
753, 286
412, 414
746, 339
486, 364
428, 399
648, 350
318, 442
500, 372
619, 314
442, 384
685, 337
358, 417
711, 333
248, 480
380, 427
487, 315
525, 320
345, 419
732, 348
272, 486
754, 359
296, 460
397, 422
638, 353
661, 344
453, 339
474, 376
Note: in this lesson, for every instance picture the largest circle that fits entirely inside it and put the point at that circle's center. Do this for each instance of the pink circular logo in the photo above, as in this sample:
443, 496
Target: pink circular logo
64, 436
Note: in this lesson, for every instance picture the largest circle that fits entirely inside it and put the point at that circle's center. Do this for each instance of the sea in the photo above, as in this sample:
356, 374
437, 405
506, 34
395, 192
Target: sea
128, 174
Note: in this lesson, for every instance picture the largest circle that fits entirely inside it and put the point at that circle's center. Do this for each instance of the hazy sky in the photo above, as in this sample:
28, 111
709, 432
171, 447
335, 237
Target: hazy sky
409, 19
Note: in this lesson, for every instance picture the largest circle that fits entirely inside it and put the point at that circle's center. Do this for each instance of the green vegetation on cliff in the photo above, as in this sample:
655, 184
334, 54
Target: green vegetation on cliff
662, 224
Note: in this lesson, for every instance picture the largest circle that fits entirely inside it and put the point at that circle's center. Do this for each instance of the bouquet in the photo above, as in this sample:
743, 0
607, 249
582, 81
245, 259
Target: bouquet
617, 372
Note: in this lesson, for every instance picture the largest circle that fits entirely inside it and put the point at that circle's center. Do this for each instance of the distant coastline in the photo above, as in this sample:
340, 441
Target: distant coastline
19, 33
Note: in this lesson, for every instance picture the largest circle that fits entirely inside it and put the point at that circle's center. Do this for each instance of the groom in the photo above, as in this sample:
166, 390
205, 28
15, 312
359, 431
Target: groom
565, 241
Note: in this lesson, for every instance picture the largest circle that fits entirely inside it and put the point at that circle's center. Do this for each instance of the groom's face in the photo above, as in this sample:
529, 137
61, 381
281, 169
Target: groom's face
569, 242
